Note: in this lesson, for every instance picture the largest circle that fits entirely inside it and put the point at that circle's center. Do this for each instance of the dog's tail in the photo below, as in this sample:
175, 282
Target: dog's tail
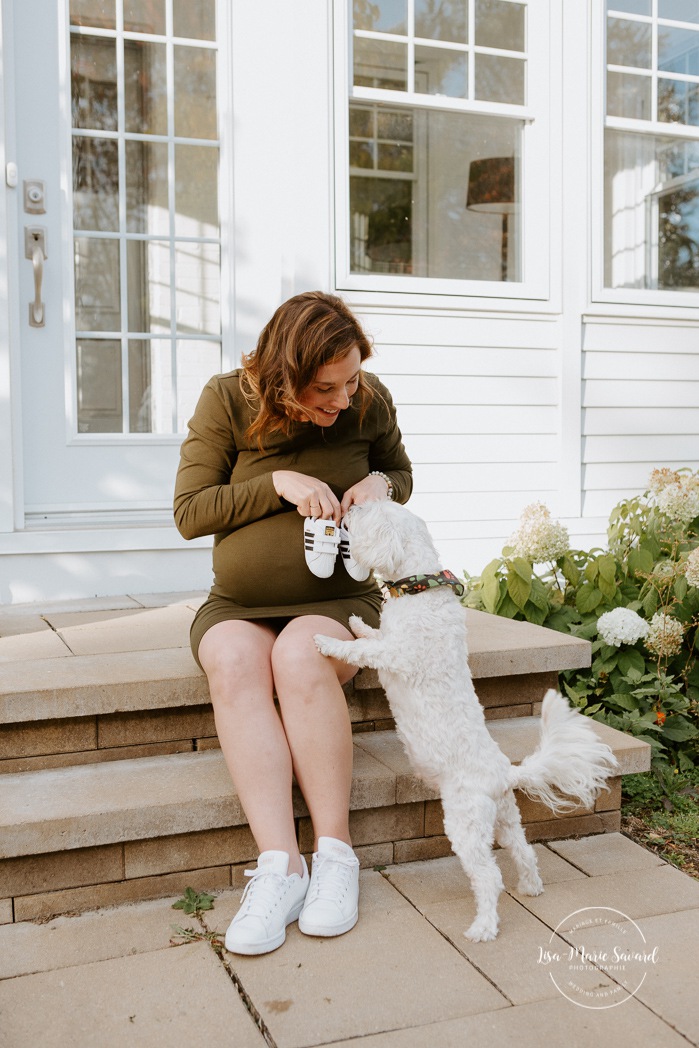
570, 765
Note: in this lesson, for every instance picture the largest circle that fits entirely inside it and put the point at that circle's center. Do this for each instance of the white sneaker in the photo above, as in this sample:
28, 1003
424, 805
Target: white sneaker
321, 539
353, 569
331, 906
270, 901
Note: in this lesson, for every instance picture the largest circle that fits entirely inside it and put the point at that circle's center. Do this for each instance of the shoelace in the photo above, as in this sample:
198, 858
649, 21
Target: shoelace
261, 893
330, 877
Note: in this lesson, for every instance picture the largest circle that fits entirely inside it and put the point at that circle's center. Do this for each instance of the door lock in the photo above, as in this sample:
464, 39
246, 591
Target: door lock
34, 196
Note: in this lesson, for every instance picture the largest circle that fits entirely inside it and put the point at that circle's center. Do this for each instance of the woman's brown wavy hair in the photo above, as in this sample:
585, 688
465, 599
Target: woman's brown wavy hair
306, 332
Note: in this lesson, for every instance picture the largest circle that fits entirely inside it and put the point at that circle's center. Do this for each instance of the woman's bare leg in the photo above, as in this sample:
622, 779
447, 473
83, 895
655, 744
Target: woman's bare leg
236, 657
316, 721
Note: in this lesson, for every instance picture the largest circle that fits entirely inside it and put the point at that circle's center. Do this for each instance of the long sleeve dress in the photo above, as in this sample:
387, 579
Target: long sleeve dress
224, 488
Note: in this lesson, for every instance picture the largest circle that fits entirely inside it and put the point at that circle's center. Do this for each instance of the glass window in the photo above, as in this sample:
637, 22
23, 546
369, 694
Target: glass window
651, 173
434, 188
145, 207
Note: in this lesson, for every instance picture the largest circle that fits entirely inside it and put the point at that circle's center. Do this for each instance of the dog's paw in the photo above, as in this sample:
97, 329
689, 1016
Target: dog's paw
359, 626
482, 930
532, 885
326, 645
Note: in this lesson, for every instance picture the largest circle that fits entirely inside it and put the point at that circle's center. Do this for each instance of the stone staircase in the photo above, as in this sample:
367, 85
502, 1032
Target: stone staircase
113, 788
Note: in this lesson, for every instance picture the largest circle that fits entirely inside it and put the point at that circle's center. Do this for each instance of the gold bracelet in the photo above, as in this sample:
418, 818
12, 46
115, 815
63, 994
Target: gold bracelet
389, 483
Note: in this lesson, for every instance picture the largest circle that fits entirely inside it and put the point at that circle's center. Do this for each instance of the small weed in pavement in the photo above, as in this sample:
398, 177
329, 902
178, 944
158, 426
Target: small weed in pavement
194, 902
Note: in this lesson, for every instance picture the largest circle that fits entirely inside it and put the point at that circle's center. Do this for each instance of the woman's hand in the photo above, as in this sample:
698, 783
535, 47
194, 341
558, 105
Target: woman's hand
372, 489
312, 497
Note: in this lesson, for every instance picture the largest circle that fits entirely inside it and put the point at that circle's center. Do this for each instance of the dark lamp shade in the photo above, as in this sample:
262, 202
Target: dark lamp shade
491, 185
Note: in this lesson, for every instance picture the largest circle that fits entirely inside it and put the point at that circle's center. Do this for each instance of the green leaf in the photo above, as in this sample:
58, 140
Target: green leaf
650, 602
607, 568
588, 598
490, 592
518, 588
681, 586
570, 571
534, 614
632, 663
626, 702
522, 567
607, 588
591, 570
679, 729
506, 606
538, 595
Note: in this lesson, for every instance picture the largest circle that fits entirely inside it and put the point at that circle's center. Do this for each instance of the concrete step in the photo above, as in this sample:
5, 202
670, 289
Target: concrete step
80, 837
97, 684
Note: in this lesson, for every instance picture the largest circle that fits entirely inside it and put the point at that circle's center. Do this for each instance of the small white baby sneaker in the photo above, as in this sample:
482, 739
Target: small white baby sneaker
353, 569
332, 902
321, 539
270, 901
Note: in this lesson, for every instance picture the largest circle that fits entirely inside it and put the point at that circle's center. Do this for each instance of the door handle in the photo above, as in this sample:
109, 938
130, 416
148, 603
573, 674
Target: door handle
35, 249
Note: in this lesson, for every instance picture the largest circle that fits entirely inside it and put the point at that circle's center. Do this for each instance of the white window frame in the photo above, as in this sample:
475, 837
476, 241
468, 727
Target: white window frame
539, 218
660, 302
222, 46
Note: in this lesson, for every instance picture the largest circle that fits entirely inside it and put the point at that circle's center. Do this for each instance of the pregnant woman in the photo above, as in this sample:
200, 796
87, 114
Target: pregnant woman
300, 431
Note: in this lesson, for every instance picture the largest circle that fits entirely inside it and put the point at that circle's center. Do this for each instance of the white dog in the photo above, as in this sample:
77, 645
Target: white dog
421, 656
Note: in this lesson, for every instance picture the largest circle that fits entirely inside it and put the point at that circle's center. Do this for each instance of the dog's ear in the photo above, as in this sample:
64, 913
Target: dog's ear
376, 538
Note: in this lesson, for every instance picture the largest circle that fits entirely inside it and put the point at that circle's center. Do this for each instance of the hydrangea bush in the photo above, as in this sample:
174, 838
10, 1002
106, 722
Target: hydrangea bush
637, 602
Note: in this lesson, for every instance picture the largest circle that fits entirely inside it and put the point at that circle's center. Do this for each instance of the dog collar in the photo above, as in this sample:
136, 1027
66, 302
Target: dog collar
421, 583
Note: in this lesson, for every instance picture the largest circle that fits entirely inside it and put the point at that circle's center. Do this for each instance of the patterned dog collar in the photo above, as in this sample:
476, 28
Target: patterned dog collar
421, 583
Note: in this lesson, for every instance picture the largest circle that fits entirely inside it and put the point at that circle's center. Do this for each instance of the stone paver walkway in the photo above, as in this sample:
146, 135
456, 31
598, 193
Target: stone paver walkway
405, 977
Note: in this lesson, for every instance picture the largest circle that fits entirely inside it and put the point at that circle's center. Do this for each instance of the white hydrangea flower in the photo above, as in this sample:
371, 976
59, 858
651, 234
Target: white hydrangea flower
621, 626
664, 635
691, 570
676, 494
538, 537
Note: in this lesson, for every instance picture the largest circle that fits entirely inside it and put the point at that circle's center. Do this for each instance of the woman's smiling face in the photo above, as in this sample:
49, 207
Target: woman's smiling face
332, 388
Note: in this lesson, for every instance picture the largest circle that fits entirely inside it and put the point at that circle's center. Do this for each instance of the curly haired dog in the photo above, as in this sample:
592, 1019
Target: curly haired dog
421, 656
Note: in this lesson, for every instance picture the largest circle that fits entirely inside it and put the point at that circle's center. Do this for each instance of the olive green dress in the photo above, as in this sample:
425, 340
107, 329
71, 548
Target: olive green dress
224, 488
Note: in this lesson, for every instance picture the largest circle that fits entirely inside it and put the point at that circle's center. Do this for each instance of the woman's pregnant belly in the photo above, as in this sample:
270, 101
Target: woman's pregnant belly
264, 565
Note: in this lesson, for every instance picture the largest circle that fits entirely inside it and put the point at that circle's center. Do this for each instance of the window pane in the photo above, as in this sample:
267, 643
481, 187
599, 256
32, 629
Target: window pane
195, 92
678, 101
380, 63
97, 284
95, 183
197, 288
93, 82
443, 21
500, 24
439, 71
196, 191
679, 10
150, 386
381, 16
148, 278
633, 7
145, 87
651, 212
147, 188
144, 16
628, 95
99, 385
454, 214
678, 50
97, 13
195, 19
628, 43
500, 79
196, 363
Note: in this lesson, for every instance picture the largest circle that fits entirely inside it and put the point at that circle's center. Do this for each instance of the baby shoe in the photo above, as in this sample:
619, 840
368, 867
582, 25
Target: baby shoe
271, 900
354, 570
332, 902
320, 540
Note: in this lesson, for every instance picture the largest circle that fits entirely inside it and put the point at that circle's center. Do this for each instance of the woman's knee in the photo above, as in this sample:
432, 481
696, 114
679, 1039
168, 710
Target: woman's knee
296, 659
234, 654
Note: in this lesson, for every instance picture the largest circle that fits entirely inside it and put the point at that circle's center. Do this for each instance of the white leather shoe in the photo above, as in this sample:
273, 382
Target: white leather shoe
332, 902
353, 569
270, 901
321, 539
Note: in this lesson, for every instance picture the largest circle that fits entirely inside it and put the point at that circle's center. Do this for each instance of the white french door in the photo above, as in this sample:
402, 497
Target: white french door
117, 110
